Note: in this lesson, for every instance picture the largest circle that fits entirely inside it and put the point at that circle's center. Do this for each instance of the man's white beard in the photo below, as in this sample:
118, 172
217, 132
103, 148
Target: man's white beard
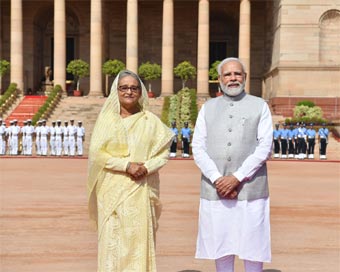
233, 91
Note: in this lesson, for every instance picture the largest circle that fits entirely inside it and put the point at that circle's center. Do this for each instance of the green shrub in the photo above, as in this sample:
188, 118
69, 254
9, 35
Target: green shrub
165, 110
11, 90
181, 107
307, 103
47, 105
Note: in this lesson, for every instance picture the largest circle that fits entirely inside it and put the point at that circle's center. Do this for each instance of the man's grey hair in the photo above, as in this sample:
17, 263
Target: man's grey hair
219, 67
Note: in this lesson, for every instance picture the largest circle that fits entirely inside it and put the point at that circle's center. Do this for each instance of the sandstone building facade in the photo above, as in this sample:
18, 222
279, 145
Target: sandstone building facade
290, 48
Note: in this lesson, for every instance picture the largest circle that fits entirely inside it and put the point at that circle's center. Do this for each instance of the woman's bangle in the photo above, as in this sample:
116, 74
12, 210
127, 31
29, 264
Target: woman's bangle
127, 166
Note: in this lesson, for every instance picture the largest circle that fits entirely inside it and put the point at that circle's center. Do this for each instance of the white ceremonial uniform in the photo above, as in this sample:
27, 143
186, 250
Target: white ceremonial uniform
37, 140
52, 141
58, 140
227, 226
72, 131
15, 130
66, 145
29, 143
44, 130
23, 140
2, 140
80, 137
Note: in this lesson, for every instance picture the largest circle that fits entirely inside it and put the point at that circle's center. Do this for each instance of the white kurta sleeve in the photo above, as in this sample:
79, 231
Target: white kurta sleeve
199, 149
263, 150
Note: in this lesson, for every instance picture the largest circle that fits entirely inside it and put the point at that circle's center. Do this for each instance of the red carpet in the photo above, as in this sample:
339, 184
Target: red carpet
26, 109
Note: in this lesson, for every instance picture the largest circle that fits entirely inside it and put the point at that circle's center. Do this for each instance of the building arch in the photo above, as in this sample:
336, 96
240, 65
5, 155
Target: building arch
329, 49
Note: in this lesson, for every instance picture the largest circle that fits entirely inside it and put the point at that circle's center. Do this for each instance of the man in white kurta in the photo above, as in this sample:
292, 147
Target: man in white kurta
231, 143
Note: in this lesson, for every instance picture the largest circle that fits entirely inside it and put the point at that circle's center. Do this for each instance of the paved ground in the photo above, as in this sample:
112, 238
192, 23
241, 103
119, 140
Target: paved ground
44, 225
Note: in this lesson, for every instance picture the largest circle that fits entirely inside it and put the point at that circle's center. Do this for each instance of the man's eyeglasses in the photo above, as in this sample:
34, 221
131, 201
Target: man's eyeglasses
125, 88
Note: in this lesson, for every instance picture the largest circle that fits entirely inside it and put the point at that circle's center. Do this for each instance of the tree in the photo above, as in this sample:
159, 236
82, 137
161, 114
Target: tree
79, 69
185, 70
112, 68
213, 73
4, 68
150, 71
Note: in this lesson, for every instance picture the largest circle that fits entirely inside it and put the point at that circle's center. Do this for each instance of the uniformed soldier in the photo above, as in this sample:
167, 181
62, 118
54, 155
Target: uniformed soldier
80, 138
311, 134
173, 147
23, 138
66, 145
186, 136
323, 140
58, 138
29, 137
72, 131
37, 137
44, 131
9, 137
52, 139
291, 143
302, 145
284, 141
2, 137
15, 132
276, 139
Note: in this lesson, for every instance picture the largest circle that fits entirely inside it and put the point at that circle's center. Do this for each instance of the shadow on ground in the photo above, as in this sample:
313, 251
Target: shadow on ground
190, 271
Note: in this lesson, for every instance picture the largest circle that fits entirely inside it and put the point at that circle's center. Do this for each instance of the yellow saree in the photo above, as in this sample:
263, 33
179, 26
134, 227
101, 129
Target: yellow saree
126, 212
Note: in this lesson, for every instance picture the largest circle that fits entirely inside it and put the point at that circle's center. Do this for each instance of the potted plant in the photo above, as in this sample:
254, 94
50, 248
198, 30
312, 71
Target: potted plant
111, 68
79, 69
185, 70
4, 67
213, 73
150, 71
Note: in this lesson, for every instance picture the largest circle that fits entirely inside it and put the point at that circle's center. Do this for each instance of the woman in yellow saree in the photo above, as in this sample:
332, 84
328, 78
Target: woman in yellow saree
128, 146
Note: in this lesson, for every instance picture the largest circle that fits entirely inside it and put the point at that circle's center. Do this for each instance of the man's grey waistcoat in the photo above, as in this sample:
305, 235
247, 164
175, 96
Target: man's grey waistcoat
231, 124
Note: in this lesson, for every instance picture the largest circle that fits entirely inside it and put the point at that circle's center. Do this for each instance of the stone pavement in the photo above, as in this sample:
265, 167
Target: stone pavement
44, 225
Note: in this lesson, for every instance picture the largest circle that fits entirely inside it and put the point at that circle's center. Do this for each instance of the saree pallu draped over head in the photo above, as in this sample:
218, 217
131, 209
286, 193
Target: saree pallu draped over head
126, 211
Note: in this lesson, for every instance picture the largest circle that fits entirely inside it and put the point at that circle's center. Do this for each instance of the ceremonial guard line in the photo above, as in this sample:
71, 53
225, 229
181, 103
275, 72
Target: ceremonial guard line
42, 140
299, 142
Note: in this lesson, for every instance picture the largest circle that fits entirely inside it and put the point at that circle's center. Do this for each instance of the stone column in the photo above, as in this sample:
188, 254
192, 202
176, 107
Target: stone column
96, 49
132, 36
59, 44
203, 48
244, 38
168, 48
17, 59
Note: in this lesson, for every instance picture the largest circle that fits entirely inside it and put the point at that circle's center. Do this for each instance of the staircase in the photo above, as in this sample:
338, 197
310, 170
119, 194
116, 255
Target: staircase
26, 109
83, 108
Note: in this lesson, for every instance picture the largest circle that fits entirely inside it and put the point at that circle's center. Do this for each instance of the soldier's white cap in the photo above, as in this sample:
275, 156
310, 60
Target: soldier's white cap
39, 122
65, 121
29, 120
24, 122
79, 122
58, 121
11, 122
15, 120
